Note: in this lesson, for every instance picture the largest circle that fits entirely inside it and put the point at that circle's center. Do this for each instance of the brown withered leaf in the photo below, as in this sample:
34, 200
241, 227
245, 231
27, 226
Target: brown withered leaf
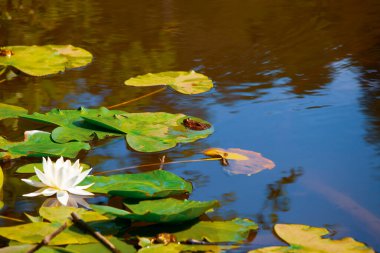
240, 161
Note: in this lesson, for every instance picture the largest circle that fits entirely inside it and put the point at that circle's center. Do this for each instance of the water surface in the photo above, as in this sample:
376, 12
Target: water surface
297, 81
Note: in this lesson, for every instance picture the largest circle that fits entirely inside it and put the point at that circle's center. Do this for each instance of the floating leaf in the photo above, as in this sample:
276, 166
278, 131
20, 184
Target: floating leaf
183, 82
152, 131
62, 213
35, 232
241, 161
175, 248
100, 248
11, 111
153, 184
1, 178
303, 238
226, 154
45, 60
29, 168
26, 247
161, 211
38, 143
234, 231
72, 126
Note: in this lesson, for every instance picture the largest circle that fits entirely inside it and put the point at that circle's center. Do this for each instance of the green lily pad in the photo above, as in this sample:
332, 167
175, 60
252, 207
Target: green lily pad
303, 238
181, 81
29, 168
26, 247
153, 184
35, 232
100, 248
45, 60
72, 127
11, 111
153, 131
39, 143
161, 211
175, 248
233, 231
62, 213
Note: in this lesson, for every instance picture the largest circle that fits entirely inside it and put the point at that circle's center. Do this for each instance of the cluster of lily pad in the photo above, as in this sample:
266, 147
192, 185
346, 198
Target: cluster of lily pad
155, 214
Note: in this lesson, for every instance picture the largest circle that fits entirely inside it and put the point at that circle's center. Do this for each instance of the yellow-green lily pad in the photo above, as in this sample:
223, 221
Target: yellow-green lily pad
44, 60
307, 239
181, 81
11, 111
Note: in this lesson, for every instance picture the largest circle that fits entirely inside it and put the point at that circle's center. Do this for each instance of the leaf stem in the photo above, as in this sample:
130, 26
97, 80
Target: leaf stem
153, 164
135, 99
48, 238
97, 235
10, 218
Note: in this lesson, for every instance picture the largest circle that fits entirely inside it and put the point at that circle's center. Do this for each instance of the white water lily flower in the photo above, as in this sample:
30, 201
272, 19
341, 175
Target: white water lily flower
59, 178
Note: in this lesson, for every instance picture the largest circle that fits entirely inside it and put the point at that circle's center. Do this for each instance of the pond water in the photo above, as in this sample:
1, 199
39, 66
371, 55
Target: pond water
298, 81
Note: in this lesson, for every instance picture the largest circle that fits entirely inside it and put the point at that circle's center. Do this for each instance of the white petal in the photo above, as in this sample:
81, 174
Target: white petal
33, 194
76, 166
84, 186
49, 192
79, 191
82, 176
48, 167
63, 197
33, 183
42, 177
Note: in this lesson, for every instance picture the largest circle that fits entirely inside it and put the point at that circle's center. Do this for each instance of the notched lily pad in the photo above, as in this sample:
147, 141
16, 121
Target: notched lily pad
304, 239
183, 82
39, 143
44, 60
161, 211
234, 231
240, 161
153, 131
72, 127
11, 111
154, 184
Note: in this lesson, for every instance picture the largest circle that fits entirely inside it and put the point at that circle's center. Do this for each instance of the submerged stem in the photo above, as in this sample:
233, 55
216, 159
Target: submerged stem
153, 164
135, 99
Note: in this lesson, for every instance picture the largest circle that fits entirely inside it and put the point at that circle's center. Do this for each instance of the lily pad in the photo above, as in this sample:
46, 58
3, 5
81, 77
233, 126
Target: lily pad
175, 248
153, 184
161, 211
233, 231
240, 161
153, 131
26, 247
1, 178
72, 127
44, 60
62, 213
100, 248
38, 143
181, 81
29, 168
11, 111
35, 232
303, 238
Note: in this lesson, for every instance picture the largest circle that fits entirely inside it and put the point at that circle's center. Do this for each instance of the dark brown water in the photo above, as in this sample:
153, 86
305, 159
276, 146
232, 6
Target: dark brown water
298, 81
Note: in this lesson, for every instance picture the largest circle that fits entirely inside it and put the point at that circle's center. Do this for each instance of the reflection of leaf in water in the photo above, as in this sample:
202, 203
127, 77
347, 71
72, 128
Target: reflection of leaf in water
303, 238
241, 161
